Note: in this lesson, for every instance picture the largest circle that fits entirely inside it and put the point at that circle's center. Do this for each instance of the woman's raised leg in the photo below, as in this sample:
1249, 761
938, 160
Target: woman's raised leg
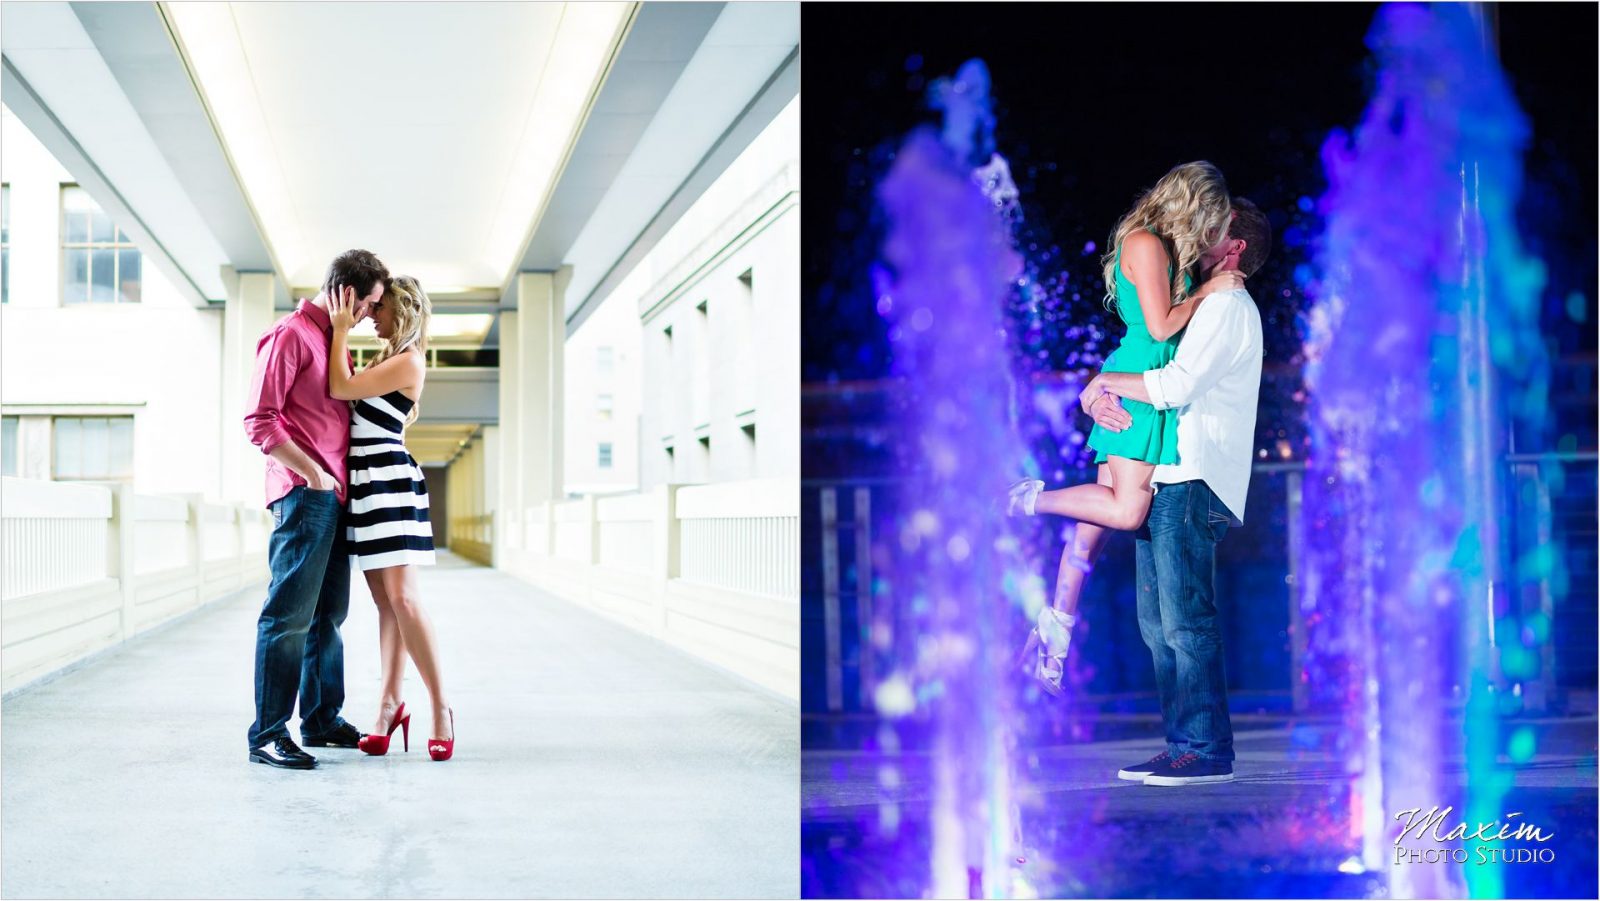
1121, 505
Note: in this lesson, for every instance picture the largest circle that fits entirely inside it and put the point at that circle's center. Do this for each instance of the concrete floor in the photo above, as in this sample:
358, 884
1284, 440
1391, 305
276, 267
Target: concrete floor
1275, 832
593, 762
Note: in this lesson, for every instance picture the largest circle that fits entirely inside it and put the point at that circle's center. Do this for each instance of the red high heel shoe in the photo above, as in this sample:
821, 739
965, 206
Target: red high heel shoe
378, 745
442, 748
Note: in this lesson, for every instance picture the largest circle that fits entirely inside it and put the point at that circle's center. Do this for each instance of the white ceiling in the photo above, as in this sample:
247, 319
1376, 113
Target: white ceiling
439, 142
743, 48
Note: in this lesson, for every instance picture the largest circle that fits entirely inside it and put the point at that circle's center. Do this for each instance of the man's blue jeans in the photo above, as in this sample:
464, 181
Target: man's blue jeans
298, 649
1176, 550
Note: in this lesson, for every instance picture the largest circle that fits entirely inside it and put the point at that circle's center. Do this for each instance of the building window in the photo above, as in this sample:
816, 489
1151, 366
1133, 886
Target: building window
99, 262
5, 251
8, 445
605, 455
99, 448
603, 405
604, 361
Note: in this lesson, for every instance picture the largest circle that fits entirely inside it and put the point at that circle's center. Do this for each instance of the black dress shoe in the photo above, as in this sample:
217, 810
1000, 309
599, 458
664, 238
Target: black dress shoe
343, 735
283, 752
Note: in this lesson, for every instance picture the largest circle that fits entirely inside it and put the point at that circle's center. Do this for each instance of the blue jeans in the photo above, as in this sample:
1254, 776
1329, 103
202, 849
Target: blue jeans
1176, 552
298, 649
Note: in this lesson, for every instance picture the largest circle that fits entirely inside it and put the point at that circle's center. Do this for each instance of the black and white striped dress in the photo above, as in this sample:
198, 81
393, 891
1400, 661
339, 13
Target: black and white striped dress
388, 523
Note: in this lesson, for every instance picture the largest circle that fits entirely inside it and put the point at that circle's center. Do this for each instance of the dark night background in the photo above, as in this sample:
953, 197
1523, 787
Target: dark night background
1094, 102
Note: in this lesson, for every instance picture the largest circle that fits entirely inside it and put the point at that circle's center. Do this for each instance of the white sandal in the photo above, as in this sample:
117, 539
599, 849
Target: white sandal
1044, 657
1022, 496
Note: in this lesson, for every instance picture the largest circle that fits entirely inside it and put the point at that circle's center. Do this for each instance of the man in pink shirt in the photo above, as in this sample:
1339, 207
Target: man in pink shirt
306, 434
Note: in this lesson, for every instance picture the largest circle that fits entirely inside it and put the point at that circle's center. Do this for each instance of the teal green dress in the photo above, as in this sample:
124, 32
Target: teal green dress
1153, 437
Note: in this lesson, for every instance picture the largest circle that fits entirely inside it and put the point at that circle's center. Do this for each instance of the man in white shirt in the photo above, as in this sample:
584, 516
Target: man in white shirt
1213, 382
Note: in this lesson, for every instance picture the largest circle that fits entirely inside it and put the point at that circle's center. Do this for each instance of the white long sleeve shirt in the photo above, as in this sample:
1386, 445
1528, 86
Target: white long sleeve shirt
1214, 382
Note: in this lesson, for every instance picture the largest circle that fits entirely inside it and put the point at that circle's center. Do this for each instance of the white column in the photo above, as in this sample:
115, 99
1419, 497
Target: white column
541, 329
248, 315
507, 501
491, 488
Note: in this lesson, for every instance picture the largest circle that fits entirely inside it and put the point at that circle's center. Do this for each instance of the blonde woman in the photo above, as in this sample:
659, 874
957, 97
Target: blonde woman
1153, 251
389, 531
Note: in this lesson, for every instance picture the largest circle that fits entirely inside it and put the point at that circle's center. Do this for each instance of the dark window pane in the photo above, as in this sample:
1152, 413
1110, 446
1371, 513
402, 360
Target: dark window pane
103, 274
128, 282
460, 357
76, 289
103, 232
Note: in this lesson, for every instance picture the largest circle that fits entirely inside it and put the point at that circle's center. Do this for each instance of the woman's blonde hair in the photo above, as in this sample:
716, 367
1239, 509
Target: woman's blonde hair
1188, 209
412, 309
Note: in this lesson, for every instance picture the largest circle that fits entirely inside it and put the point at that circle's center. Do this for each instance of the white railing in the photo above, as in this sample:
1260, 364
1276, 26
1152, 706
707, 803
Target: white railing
471, 537
161, 534
742, 536
55, 536
713, 569
624, 525
89, 565
220, 531
574, 525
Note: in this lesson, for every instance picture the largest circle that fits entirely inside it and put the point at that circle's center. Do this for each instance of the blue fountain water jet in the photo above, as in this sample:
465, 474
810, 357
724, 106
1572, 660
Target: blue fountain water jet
948, 270
1423, 341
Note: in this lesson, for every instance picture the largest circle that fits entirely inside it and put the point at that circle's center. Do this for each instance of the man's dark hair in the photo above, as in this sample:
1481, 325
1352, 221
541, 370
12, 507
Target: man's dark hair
359, 269
1250, 226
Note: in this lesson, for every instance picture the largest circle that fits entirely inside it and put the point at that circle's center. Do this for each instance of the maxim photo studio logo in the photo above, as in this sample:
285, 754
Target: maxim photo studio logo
1512, 841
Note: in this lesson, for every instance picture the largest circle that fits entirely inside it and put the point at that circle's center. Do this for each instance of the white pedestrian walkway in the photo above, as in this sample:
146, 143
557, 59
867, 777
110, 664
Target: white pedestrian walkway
593, 762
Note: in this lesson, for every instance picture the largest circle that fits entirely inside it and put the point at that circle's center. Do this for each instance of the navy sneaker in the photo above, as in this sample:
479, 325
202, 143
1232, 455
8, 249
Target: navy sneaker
1189, 769
1137, 771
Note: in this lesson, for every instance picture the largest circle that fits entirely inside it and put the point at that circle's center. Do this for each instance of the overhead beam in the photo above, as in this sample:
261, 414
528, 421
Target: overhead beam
774, 95
145, 56
25, 102
658, 46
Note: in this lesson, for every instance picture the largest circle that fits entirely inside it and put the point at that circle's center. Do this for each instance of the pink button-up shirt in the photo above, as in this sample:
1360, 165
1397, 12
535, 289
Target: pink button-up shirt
289, 399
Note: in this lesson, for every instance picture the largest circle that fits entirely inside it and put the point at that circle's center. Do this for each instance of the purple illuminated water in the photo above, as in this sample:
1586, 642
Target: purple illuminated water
1425, 294
948, 270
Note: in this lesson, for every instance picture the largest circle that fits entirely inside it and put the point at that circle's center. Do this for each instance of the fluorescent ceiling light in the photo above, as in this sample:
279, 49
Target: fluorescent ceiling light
585, 40
209, 38
254, 78
460, 325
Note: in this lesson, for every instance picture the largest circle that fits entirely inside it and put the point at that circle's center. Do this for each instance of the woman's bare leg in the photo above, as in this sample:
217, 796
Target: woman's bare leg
1122, 505
400, 586
392, 649
1078, 557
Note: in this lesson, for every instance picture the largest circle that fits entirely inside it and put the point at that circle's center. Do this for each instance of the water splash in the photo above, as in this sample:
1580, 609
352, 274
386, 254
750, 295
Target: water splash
948, 270
1426, 293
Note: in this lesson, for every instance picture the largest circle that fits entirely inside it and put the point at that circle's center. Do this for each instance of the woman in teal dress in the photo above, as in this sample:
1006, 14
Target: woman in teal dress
1153, 252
